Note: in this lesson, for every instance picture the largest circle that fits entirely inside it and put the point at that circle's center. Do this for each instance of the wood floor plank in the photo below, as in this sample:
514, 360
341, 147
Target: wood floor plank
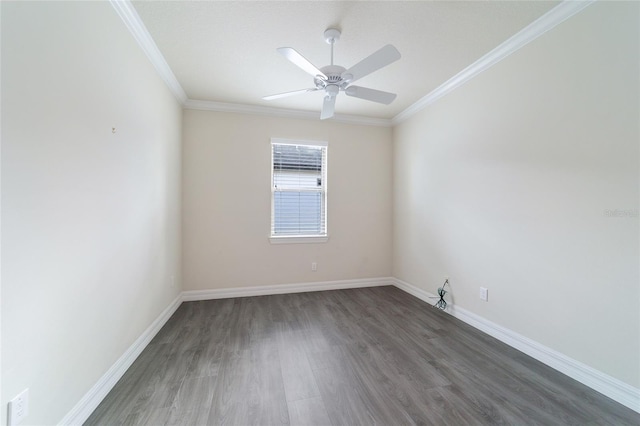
207, 357
250, 389
521, 389
298, 379
147, 417
483, 395
452, 410
196, 417
345, 401
399, 354
389, 390
347, 357
308, 412
232, 382
195, 394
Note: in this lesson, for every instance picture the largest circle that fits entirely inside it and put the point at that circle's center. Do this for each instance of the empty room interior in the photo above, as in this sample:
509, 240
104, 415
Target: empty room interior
320, 212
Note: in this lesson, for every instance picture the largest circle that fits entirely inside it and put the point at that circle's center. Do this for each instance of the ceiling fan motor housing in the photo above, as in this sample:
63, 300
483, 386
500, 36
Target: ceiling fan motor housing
334, 77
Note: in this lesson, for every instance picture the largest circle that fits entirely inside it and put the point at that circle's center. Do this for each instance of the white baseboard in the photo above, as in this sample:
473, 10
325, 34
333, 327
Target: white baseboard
83, 409
421, 294
224, 293
609, 386
606, 385
90, 401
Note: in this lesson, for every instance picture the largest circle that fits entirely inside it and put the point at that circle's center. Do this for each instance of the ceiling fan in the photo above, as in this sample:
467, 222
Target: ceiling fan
334, 78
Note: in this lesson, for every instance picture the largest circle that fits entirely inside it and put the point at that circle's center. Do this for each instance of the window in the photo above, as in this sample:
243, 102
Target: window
298, 191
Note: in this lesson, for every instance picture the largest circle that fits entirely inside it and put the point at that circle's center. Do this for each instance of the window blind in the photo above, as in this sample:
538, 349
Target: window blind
298, 189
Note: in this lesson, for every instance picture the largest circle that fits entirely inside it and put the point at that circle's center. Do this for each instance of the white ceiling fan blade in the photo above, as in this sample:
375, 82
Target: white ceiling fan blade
370, 94
328, 107
371, 63
287, 94
299, 60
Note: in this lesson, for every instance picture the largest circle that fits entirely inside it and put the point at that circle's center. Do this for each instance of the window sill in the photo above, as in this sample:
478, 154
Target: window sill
295, 239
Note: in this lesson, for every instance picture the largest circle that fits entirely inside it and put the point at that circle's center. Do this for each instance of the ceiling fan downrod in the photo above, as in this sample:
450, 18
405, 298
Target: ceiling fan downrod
331, 36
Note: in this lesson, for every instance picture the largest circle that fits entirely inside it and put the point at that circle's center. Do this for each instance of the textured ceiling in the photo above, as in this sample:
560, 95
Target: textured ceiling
225, 51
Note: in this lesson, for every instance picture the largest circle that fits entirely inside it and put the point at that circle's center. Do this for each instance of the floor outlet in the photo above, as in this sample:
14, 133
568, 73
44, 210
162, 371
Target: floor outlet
18, 408
484, 294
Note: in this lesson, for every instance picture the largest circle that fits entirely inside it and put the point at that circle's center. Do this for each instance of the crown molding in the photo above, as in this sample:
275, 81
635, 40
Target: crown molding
546, 22
281, 112
134, 24
132, 20
549, 20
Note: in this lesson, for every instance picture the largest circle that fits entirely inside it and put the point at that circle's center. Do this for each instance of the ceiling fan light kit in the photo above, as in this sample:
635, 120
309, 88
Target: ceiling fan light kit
334, 78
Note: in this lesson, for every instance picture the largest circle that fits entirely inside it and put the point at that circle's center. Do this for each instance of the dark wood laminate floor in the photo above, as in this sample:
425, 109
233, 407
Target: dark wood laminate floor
372, 356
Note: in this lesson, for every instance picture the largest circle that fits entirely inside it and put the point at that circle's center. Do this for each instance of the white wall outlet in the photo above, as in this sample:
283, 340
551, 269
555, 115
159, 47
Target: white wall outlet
18, 408
314, 266
484, 294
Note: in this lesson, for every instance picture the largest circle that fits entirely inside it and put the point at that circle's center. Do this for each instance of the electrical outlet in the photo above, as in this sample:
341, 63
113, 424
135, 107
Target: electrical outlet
484, 294
18, 408
314, 266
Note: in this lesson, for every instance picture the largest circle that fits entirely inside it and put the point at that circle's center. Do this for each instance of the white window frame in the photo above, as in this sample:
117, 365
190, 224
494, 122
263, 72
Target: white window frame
299, 239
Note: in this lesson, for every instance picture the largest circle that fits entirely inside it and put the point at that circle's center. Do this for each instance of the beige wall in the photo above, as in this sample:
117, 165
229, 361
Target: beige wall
504, 184
90, 219
227, 207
